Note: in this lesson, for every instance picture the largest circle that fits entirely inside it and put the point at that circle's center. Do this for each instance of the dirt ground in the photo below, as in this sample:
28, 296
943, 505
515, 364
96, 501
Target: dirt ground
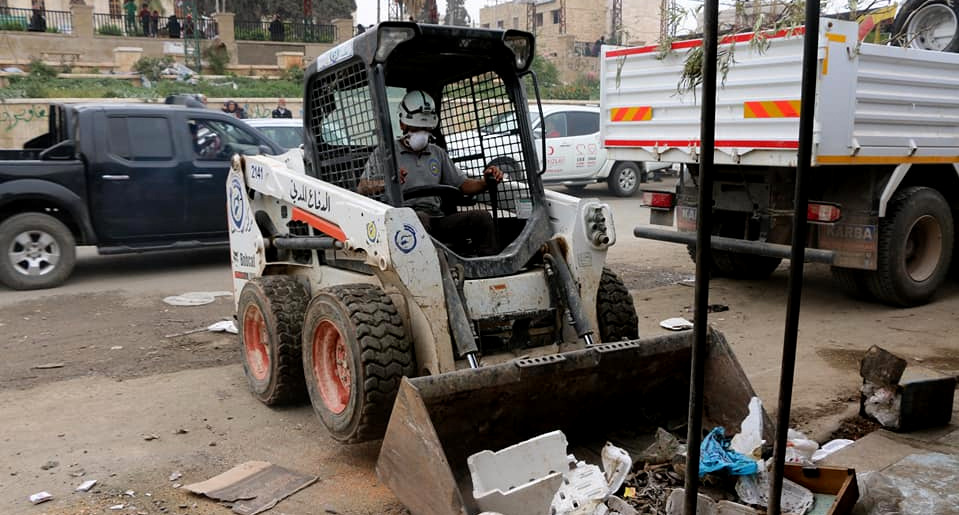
124, 378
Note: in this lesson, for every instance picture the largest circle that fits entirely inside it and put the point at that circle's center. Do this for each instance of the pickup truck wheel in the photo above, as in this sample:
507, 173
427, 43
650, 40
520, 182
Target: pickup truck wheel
271, 310
615, 310
355, 352
915, 247
928, 25
624, 179
36, 251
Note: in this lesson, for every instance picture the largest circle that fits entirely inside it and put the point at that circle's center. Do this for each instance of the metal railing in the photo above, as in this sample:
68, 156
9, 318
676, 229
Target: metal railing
30, 20
285, 31
121, 25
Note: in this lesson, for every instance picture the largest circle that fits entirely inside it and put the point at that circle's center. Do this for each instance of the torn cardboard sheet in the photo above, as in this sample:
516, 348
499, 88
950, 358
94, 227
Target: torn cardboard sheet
253, 487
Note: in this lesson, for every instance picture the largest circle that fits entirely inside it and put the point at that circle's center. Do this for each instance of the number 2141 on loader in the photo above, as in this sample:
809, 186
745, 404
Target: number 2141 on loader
425, 341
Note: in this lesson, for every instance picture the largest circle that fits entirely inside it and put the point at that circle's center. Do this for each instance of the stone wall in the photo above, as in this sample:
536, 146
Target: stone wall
24, 119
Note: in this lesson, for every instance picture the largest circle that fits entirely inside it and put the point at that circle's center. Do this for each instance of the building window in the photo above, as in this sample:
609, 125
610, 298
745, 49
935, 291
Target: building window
539, 19
499, 24
515, 22
115, 8
555, 14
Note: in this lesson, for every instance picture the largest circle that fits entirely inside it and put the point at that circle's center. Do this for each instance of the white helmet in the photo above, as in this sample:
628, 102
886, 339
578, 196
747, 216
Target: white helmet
418, 110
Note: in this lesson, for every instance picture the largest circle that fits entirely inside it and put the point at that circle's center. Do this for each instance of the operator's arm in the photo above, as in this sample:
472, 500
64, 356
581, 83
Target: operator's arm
371, 182
474, 186
370, 186
454, 177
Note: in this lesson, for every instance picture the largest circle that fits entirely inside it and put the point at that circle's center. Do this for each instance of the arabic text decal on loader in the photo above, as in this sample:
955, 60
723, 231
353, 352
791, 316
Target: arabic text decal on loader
347, 297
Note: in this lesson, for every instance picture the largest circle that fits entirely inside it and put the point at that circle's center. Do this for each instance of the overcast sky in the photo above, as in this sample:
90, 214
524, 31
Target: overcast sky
366, 9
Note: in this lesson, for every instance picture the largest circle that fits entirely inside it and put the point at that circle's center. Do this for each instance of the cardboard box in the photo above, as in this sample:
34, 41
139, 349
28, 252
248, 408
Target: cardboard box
840, 482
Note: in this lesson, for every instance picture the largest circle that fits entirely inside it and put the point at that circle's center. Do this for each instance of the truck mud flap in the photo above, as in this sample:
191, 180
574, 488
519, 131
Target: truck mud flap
619, 392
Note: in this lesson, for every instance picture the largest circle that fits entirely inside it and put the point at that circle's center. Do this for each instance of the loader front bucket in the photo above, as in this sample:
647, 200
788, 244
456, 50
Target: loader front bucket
619, 392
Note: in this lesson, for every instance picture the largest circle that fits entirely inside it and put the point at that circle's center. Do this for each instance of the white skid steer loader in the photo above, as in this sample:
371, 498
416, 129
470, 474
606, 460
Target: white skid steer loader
348, 298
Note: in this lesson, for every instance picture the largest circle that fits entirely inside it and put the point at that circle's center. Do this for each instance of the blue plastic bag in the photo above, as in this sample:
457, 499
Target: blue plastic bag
715, 454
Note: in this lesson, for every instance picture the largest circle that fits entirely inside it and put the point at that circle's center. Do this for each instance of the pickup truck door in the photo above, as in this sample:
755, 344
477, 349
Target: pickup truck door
136, 194
559, 146
212, 141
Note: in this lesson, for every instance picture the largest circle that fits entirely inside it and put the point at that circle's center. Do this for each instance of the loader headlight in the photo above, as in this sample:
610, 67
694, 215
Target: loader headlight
389, 36
521, 43
599, 226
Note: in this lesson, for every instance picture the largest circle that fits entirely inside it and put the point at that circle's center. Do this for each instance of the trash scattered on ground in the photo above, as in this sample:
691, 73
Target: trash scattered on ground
904, 398
830, 447
130, 493
799, 448
181, 431
537, 477
49, 465
712, 308
878, 495
40, 497
754, 489
116, 507
749, 440
687, 282
676, 324
149, 437
196, 298
46, 366
717, 456
253, 487
117, 347
223, 326
175, 475
86, 485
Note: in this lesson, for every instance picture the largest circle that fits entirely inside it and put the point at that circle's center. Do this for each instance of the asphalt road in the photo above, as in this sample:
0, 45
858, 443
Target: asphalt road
125, 377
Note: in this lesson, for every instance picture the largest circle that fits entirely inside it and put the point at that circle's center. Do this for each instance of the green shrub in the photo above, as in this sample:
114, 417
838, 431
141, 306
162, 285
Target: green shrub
41, 70
13, 25
293, 73
252, 35
216, 57
110, 30
53, 30
151, 67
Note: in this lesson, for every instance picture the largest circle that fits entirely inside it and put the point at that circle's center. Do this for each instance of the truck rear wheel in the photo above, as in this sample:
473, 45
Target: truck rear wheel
928, 25
615, 310
355, 352
915, 247
36, 251
624, 179
270, 312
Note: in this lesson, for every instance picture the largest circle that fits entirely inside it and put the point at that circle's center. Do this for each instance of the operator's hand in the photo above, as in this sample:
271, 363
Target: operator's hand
494, 172
403, 174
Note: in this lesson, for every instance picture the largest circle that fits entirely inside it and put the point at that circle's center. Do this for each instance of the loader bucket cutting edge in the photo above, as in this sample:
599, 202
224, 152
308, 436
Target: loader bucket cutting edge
618, 392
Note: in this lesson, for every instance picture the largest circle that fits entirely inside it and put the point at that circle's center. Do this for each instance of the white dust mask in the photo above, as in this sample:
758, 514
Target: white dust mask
418, 140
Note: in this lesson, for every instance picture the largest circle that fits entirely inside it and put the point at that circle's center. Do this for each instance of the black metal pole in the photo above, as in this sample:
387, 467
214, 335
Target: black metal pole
704, 228
807, 110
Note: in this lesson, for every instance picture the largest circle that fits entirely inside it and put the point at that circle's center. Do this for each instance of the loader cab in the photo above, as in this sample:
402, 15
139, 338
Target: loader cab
475, 76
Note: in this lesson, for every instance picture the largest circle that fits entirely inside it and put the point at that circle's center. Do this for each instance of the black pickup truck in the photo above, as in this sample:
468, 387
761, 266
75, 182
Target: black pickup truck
123, 177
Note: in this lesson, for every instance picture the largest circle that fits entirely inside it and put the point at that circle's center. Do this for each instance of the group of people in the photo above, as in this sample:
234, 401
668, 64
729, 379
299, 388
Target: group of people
231, 108
147, 22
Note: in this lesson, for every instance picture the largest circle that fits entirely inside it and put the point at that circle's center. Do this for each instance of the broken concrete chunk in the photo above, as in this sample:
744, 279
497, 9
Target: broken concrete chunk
49, 465
881, 367
175, 475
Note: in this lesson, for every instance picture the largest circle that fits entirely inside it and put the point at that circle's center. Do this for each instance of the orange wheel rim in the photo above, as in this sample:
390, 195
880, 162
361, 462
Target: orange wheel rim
331, 366
254, 343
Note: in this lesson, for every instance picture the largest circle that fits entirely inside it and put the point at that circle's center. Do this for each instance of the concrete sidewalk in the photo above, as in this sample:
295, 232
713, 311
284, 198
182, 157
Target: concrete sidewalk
924, 465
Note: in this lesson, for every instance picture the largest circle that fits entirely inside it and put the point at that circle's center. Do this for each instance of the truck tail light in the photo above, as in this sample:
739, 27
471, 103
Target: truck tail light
819, 212
658, 199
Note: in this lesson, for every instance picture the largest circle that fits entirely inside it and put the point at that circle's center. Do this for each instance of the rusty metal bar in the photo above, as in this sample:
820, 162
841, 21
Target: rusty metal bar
800, 228
694, 433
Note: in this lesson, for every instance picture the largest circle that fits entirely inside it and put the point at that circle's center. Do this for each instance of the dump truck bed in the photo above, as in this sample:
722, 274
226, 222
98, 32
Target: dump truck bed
875, 104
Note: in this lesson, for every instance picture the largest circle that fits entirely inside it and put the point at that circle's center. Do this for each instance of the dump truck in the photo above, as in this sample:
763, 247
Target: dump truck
431, 343
884, 182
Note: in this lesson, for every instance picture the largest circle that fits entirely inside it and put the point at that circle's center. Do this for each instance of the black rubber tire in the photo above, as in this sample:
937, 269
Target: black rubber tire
615, 310
891, 282
901, 38
852, 282
281, 301
620, 190
37, 223
379, 355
